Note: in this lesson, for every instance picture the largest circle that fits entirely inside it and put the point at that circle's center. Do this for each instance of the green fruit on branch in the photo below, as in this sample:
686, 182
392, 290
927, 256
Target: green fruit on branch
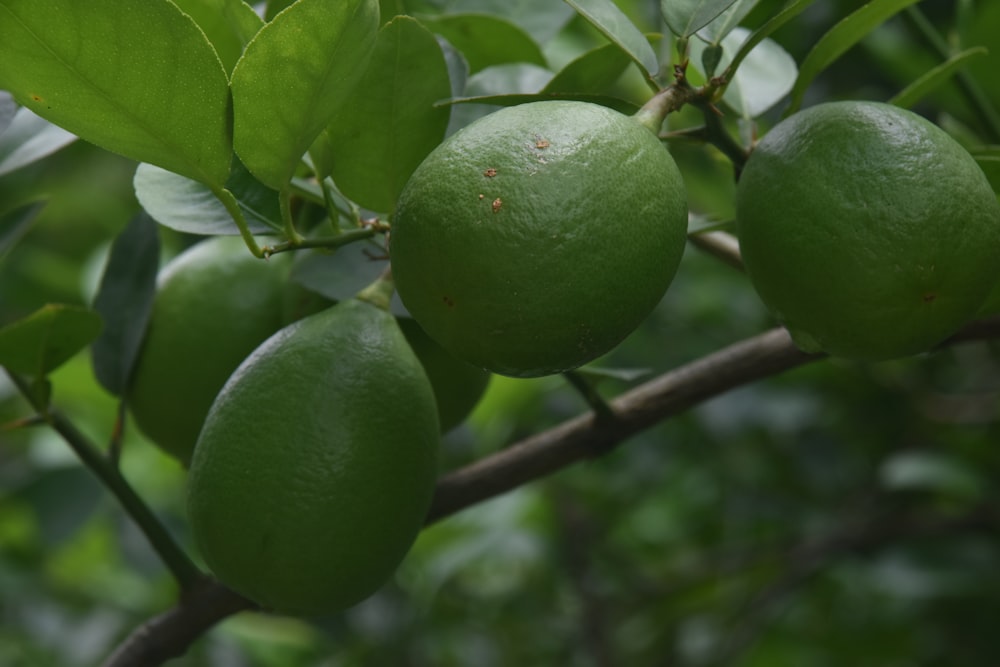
867, 230
315, 468
214, 304
537, 238
457, 385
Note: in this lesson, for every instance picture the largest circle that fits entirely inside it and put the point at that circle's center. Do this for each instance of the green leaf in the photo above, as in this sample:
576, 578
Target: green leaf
377, 141
228, 24
787, 13
292, 78
613, 24
44, 340
686, 17
275, 7
486, 40
30, 138
766, 76
723, 24
620, 105
124, 301
14, 224
541, 20
136, 78
593, 72
934, 78
191, 207
845, 34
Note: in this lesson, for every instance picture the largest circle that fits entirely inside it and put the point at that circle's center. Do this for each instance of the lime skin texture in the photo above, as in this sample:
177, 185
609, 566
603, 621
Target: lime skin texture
458, 385
538, 237
867, 230
316, 465
214, 304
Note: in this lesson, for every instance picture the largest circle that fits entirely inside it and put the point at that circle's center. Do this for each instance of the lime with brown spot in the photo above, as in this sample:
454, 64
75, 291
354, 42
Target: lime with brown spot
537, 238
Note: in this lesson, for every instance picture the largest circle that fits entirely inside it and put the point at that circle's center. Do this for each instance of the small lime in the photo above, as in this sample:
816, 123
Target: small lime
535, 239
457, 385
315, 468
214, 304
867, 230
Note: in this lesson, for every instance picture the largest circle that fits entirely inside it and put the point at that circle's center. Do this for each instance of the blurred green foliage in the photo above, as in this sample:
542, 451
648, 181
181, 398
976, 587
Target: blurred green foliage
765, 527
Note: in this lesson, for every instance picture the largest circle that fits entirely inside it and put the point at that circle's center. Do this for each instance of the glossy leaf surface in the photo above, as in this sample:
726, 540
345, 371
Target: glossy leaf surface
124, 301
228, 24
292, 78
188, 206
616, 26
935, 77
29, 138
379, 140
486, 40
839, 39
686, 17
139, 79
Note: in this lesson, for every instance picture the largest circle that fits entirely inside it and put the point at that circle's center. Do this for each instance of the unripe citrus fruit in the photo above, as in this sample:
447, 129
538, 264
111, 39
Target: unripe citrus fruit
214, 304
535, 239
457, 385
867, 230
315, 468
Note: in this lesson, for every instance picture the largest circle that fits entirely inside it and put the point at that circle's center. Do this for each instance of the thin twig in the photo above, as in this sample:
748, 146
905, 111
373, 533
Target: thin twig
583, 437
721, 245
180, 566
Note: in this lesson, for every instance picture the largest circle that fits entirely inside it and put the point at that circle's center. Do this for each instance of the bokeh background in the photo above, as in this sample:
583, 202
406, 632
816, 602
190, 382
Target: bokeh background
829, 516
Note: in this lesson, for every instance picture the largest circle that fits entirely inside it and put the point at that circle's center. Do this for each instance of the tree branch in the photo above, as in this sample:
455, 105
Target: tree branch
582, 437
767, 354
170, 634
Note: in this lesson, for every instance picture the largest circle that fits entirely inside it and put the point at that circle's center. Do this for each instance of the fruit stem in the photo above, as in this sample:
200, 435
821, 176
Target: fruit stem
285, 204
672, 98
331, 242
181, 567
602, 411
380, 292
236, 213
719, 137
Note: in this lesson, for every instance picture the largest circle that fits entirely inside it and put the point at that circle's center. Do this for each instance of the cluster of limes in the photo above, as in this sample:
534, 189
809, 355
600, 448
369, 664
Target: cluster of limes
528, 243
317, 424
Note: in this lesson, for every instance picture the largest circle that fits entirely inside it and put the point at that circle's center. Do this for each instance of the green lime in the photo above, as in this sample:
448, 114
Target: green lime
867, 230
457, 385
315, 468
214, 304
535, 239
